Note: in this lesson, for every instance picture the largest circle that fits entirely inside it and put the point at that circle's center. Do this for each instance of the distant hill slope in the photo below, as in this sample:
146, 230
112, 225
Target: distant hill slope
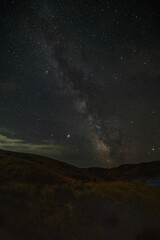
32, 168
35, 205
148, 171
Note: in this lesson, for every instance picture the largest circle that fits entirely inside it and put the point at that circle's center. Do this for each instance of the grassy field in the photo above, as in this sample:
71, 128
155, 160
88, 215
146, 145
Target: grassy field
45, 199
78, 211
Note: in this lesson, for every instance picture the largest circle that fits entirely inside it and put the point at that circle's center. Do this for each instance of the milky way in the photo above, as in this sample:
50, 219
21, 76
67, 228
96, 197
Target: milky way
80, 80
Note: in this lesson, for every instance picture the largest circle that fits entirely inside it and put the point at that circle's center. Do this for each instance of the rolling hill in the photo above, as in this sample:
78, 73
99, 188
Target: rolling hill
38, 201
30, 168
37, 169
147, 171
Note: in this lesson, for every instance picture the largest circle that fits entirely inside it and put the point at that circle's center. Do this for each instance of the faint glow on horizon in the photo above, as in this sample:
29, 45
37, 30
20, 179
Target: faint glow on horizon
108, 163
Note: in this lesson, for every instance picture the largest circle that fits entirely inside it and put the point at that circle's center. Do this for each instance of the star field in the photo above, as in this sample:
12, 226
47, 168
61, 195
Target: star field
80, 80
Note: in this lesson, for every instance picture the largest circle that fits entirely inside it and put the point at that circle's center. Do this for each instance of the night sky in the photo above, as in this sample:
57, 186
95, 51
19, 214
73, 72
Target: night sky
80, 80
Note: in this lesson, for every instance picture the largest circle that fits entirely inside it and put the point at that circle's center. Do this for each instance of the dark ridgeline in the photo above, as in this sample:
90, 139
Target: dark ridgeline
38, 169
41, 198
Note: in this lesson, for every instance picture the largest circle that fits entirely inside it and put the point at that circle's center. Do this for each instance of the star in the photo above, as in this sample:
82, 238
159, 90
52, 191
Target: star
85, 79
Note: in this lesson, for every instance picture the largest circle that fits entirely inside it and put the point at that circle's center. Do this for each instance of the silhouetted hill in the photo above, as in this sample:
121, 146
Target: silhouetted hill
36, 201
32, 168
148, 171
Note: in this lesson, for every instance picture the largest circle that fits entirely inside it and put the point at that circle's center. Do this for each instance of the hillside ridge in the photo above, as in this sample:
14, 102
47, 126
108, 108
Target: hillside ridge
28, 167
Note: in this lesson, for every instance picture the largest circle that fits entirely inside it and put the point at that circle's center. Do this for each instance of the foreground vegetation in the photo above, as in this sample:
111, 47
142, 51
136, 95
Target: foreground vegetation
114, 210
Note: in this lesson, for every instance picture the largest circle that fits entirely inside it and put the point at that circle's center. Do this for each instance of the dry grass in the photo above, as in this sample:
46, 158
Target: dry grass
79, 211
46, 199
